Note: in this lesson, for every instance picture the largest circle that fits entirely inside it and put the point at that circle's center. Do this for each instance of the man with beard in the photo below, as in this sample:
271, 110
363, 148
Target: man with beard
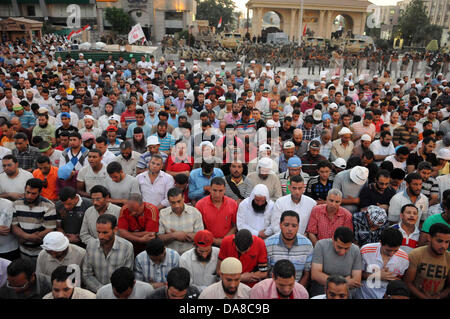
383, 147
44, 129
201, 261
105, 254
265, 175
301, 146
48, 174
411, 195
237, 183
295, 201
426, 276
378, 193
254, 211
230, 286
34, 217
294, 167
128, 158
290, 245
166, 140
89, 121
64, 288
282, 285
153, 146
312, 158
13, 178
179, 223
425, 153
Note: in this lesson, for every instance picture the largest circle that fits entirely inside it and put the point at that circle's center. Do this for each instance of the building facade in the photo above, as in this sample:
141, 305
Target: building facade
318, 16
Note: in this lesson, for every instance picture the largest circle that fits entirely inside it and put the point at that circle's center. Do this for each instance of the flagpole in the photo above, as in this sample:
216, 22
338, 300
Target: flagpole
301, 23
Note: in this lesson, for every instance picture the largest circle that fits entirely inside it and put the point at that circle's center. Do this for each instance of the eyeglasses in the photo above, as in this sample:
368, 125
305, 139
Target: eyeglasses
8, 285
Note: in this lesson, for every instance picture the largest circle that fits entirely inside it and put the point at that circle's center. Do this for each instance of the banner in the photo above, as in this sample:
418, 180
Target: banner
220, 23
135, 34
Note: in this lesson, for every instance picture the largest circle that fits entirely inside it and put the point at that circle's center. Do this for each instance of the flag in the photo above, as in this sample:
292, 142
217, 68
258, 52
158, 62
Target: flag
220, 23
70, 35
87, 27
135, 34
304, 30
78, 32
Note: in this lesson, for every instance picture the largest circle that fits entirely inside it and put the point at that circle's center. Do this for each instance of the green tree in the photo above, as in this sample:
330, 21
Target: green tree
412, 22
212, 10
120, 21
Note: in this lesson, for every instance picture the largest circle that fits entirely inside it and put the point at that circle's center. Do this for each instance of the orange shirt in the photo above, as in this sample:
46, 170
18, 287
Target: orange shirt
51, 191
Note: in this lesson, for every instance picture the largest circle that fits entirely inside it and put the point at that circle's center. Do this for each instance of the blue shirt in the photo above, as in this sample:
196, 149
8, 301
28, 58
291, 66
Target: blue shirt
173, 121
197, 181
27, 119
147, 129
166, 143
145, 269
151, 121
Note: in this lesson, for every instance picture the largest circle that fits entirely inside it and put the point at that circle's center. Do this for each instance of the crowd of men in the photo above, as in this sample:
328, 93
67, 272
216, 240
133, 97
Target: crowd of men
126, 179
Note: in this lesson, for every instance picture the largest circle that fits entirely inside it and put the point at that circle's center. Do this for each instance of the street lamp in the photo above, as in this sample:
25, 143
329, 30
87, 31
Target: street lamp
301, 23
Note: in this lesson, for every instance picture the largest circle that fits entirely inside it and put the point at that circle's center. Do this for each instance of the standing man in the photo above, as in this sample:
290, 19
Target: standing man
26, 155
138, 222
179, 223
105, 254
13, 178
295, 201
290, 245
252, 253
34, 217
411, 195
282, 285
120, 184
92, 174
427, 276
326, 218
336, 256
218, 211
383, 262
230, 286
155, 183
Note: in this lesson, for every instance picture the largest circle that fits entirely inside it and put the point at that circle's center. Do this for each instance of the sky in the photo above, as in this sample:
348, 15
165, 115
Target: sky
241, 4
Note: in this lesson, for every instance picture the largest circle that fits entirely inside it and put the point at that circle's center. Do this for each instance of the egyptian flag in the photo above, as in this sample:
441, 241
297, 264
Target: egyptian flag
304, 30
70, 35
220, 23
87, 27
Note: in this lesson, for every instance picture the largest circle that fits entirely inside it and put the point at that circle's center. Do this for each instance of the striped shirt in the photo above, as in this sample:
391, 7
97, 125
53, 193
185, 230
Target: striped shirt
98, 268
372, 262
146, 270
410, 241
33, 219
190, 221
300, 254
166, 143
145, 158
430, 187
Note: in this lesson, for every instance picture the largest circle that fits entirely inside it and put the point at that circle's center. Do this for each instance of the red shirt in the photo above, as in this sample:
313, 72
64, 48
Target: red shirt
176, 166
254, 256
218, 221
322, 226
149, 221
181, 84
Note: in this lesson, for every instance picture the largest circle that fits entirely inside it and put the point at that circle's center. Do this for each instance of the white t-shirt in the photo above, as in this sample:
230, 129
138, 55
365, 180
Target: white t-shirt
379, 149
90, 178
129, 185
9, 242
16, 184
396, 163
3, 152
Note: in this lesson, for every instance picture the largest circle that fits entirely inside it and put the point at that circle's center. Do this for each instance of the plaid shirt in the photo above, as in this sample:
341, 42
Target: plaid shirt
310, 134
98, 268
146, 270
27, 159
316, 190
322, 226
363, 234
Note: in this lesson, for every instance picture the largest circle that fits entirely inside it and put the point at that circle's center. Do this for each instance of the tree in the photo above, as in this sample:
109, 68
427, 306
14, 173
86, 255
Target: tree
212, 10
413, 21
120, 21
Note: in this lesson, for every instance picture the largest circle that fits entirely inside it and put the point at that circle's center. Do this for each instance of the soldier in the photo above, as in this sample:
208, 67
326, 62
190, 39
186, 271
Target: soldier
311, 61
394, 65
